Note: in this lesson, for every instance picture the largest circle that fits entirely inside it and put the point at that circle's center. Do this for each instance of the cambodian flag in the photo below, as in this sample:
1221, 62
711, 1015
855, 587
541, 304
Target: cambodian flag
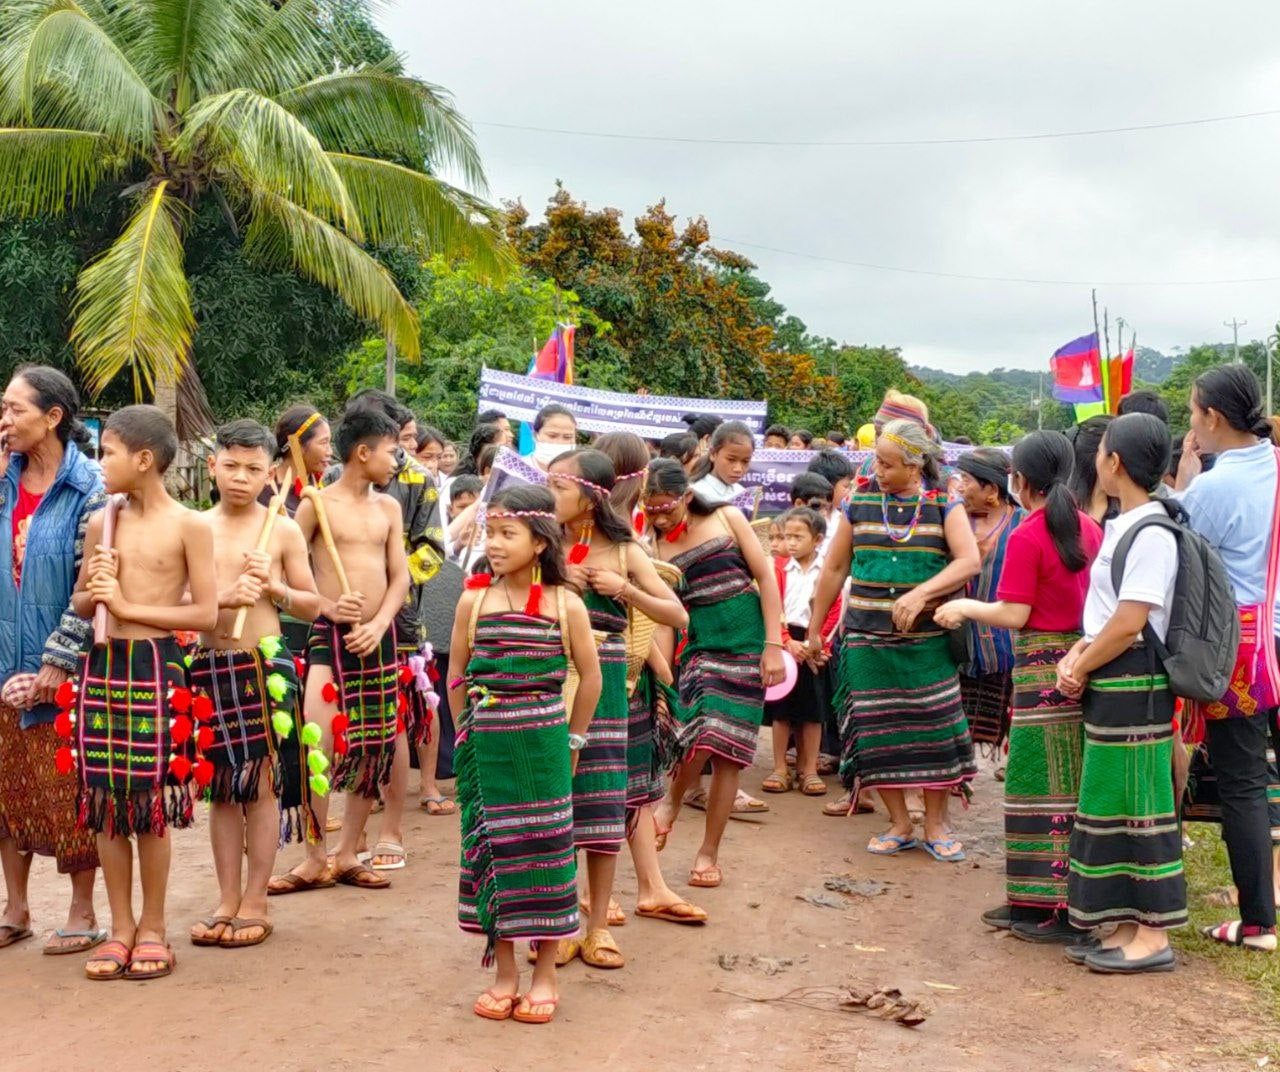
555, 360
1077, 374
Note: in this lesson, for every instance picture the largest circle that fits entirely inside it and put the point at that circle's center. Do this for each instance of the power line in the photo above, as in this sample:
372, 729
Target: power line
885, 143
870, 266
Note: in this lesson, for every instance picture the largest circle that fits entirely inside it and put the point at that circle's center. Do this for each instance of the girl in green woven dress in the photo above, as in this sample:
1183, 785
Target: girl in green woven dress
516, 630
614, 575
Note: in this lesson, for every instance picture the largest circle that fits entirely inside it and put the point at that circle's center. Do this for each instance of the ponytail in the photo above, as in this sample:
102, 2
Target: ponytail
1062, 519
1045, 460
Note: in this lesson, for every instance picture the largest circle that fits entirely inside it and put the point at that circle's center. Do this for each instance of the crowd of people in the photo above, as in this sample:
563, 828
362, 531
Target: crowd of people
590, 653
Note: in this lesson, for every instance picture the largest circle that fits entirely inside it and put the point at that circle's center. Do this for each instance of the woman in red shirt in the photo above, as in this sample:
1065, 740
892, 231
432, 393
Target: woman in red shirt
1041, 594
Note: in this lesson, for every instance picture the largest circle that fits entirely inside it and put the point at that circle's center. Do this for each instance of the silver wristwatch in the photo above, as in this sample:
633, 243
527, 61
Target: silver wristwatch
577, 741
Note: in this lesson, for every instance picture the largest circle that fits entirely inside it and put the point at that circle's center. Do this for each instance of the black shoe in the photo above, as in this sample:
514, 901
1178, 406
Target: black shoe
1000, 917
1051, 930
1077, 953
1112, 962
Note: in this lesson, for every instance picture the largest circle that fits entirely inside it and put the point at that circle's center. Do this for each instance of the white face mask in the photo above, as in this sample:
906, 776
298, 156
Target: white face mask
1013, 491
546, 453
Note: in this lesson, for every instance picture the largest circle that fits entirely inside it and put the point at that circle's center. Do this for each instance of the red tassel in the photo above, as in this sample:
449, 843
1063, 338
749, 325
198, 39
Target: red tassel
204, 773
534, 607
66, 695
202, 708
300, 666
340, 745
477, 581
181, 729
297, 488
406, 675
62, 725
402, 703
204, 739
675, 533
399, 726
180, 768
637, 522
180, 700
339, 724
433, 673
63, 760
578, 553
329, 692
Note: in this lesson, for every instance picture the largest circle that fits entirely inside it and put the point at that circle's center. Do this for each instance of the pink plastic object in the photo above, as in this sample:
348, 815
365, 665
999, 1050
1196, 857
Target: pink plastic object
790, 672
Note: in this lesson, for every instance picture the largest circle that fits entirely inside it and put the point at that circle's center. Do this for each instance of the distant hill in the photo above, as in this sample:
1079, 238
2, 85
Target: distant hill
1151, 367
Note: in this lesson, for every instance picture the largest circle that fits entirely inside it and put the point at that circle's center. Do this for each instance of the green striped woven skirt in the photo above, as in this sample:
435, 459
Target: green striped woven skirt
1126, 847
600, 782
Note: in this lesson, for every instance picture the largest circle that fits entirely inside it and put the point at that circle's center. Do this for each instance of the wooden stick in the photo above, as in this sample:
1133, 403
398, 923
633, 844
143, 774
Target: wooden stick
326, 534
114, 502
274, 510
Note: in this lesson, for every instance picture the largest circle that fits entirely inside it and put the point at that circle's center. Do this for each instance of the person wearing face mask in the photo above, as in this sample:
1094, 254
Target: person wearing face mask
1040, 595
555, 431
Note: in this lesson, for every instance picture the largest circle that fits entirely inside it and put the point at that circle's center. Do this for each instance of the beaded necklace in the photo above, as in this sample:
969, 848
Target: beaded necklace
898, 534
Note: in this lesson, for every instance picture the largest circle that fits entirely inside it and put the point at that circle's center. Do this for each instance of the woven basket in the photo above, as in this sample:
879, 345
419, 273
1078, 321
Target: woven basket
760, 526
641, 628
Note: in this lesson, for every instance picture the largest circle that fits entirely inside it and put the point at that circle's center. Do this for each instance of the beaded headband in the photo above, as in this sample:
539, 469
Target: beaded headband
492, 515
603, 492
912, 453
632, 476
670, 508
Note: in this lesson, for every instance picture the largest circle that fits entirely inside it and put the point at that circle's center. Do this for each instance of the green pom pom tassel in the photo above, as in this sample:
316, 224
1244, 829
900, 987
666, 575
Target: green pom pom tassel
311, 734
317, 762
319, 785
270, 646
278, 686
282, 723
188, 659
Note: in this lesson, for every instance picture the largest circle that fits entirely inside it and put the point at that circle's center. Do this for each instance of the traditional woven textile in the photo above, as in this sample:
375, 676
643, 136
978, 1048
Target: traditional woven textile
1202, 803
518, 876
246, 687
123, 738
1126, 847
368, 694
645, 784
721, 688
1042, 779
600, 782
987, 700
901, 722
37, 804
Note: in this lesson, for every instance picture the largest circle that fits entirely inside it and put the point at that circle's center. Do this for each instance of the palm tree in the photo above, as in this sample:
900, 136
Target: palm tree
240, 101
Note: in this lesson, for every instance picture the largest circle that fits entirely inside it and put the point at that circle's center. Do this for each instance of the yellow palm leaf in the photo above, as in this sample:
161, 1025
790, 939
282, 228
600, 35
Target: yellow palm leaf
45, 171
133, 304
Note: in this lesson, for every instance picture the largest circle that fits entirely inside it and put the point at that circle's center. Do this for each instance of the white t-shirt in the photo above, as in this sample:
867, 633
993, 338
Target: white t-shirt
797, 601
714, 491
1150, 572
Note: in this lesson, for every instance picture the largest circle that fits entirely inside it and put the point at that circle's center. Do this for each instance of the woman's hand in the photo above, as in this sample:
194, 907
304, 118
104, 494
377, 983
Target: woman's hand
772, 669
577, 575
950, 615
1071, 682
907, 609
606, 582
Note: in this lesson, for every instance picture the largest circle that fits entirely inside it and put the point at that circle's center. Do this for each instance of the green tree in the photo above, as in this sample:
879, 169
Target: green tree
238, 103
1176, 390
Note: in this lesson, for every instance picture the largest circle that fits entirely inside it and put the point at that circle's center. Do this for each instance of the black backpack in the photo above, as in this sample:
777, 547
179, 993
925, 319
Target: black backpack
1199, 652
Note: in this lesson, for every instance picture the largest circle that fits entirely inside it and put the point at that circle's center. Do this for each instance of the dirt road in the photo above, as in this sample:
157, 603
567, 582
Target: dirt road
355, 981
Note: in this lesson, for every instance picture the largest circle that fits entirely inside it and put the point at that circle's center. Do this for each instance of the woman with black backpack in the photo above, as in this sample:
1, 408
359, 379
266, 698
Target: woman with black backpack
1125, 864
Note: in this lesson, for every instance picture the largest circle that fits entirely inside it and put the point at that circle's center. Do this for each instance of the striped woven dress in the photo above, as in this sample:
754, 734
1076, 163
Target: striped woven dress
721, 688
897, 693
600, 782
518, 878
645, 784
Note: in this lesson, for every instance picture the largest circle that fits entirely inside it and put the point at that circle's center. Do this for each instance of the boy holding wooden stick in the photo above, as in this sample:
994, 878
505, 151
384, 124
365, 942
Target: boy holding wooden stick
254, 736
357, 551
157, 578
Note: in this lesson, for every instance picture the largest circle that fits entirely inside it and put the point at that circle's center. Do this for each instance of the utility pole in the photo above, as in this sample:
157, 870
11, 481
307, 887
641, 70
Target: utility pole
1040, 404
391, 367
1269, 344
1235, 326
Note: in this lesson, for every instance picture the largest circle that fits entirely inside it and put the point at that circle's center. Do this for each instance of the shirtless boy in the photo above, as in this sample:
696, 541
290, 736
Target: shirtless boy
157, 578
258, 770
351, 689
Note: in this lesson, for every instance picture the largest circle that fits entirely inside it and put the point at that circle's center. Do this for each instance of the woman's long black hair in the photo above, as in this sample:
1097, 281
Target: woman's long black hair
719, 438
595, 466
1085, 438
1046, 460
667, 477
522, 498
290, 421
53, 388
482, 436
1234, 392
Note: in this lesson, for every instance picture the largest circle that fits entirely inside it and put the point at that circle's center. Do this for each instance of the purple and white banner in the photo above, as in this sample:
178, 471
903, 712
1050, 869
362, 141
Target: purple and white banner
648, 416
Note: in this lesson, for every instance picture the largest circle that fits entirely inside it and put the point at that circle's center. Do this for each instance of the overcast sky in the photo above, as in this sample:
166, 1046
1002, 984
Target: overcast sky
1189, 203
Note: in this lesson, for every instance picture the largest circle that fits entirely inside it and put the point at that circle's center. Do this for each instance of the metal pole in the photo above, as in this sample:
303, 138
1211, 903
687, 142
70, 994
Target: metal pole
1269, 344
391, 367
1235, 326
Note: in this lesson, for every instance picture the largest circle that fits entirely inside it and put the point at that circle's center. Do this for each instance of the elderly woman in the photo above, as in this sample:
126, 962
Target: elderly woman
48, 491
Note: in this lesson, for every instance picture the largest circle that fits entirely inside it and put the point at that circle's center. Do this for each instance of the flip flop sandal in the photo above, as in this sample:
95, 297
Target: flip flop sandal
332, 824
567, 950
837, 809
524, 1001
92, 939
813, 786
362, 878
291, 883
934, 848
11, 934
897, 843
208, 923
388, 848
744, 804
239, 924
696, 917
113, 952
486, 1013
777, 783
708, 878
599, 950
616, 917
151, 953
438, 806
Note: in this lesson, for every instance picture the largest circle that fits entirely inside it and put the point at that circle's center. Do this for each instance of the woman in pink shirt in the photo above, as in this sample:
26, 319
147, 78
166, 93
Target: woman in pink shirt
1041, 594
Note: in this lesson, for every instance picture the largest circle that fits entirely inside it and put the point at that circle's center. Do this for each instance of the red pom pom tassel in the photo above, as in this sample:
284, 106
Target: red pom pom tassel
180, 700
203, 773
578, 553
64, 761
204, 739
406, 675
62, 725
181, 729
329, 692
202, 708
340, 745
66, 695
180, 768
339, 723
478, 581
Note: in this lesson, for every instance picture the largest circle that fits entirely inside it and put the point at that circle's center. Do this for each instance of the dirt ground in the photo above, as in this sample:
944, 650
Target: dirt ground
384, 980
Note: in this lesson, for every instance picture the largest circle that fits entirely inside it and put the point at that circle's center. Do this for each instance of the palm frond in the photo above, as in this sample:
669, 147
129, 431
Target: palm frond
266, 149
192, 45
133, 304
400, 206
287, 48
44, 171
284, 235
74, 75
375, 110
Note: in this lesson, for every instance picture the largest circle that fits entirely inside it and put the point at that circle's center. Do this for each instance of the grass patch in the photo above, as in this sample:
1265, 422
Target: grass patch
1208, 870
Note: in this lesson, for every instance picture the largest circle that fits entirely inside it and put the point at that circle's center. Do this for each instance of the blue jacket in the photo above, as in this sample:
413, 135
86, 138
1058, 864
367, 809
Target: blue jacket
48, 631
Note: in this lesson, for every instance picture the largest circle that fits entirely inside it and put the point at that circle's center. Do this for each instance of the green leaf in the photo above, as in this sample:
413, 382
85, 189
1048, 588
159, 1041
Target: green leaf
404, 207
288, 48
133, 304
43, 172
282, 233
192, 45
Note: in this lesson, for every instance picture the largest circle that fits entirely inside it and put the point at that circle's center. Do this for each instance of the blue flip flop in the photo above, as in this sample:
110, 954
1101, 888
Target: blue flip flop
898, 843
931, 847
